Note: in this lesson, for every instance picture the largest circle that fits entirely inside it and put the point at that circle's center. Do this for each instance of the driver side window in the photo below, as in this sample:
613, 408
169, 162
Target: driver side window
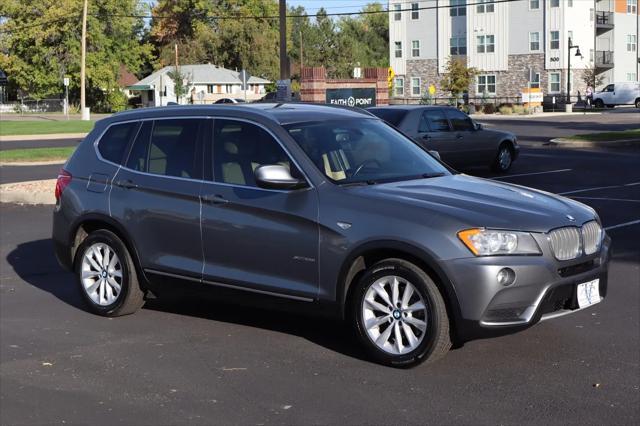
459, 120
609, 88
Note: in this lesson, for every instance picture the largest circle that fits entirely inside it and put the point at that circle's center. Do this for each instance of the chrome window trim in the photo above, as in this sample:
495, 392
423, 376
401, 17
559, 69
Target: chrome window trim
203, 180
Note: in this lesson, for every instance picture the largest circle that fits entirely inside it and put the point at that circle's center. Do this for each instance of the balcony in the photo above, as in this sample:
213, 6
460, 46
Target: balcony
604, 59
604, 20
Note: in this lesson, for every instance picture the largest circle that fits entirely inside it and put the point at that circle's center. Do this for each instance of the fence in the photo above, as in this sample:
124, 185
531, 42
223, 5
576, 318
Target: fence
27, 106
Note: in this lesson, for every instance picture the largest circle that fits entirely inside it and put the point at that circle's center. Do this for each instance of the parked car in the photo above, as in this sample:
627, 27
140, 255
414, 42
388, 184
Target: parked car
624, 93
229, 101
328, 207
459, 140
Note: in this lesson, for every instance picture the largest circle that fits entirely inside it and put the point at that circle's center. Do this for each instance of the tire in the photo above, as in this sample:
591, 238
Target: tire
638, 103
429, 345
504, 158
99, 287
599, 103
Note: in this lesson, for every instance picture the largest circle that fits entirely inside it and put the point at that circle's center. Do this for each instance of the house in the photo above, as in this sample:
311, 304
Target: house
205, 83
126, 79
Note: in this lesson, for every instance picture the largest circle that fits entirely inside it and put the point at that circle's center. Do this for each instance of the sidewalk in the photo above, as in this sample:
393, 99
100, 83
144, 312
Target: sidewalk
527, 116
51, 136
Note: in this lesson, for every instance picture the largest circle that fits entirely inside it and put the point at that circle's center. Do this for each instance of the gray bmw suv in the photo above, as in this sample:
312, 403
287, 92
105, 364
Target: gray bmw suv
327, 207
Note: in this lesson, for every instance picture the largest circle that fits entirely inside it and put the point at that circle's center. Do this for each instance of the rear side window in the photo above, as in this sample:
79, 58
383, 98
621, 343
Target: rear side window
436, 120
459, 120
114, 142
169, 148
391, 116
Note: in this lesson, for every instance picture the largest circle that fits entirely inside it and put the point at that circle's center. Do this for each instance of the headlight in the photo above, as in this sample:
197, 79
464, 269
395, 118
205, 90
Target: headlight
488, 242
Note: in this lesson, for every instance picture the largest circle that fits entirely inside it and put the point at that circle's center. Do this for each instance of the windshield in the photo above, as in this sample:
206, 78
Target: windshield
363, 151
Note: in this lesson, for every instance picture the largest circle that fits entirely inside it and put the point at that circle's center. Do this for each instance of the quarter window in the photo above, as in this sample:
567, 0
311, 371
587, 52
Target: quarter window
485, 8
554, 40
486, 84
534, 41
114, 142
436, 120
239, 148
415, 13
458, 8
415, 48
169, 148
554, 82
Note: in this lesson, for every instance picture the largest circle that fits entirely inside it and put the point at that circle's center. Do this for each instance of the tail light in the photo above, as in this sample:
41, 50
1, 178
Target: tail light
64, 179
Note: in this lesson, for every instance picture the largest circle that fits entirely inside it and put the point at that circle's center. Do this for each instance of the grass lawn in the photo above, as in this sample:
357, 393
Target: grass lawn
609, 136
36, 154
44, 127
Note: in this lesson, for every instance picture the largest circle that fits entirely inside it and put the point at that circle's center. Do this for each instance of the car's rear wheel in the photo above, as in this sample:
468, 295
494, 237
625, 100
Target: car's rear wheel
107, 276
599, 103
638, 103
400, 315
504, 159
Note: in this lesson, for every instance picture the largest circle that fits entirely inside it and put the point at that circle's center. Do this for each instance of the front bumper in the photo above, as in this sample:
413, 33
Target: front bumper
544, 288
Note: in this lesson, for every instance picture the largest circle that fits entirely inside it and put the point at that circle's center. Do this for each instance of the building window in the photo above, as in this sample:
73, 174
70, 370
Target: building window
534, 41
534, 4
458, 8
486, 84
397, 15
591, 14
631, 43
535, 81
554, 3
398, 49
569, 3
554, 82
415, 86
398, 86
631, 76
570, 36
485, 8
415, 13
458, 45
486, 44
554, 40
415, 48
209, 88
632, 6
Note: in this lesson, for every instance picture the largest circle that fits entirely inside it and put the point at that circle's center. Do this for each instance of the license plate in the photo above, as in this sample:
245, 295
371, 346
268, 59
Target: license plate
588, 293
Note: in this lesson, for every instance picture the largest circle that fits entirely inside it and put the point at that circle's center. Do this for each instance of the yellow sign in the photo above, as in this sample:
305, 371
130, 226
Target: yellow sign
432, 89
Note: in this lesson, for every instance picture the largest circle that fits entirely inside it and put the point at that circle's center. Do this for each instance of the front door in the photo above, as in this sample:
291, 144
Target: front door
253, 238
434, 134
157, 195
471, 147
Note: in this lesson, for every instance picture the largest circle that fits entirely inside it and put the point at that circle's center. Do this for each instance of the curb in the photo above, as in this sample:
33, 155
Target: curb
44, 137
526, 116
575, 143
31, 163
32, 192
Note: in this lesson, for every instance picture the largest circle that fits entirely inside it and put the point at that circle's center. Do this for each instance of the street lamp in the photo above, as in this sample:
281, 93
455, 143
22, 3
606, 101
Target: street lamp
569, 47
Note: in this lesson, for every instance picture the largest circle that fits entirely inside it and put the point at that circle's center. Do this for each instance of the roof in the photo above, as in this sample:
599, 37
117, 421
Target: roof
198, 74
284, 113
125, 77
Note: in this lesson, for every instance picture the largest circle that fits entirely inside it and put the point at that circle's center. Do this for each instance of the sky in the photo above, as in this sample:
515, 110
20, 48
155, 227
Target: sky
331, 6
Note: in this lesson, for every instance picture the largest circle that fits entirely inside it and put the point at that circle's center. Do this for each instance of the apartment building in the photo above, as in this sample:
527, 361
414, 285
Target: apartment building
514, 44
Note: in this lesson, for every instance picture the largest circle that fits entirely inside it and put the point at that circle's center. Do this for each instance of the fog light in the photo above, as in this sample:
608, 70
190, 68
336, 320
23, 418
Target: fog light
506, 276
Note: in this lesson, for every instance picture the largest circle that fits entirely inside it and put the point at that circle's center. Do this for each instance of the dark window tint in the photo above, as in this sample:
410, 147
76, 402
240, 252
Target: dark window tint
239, 148
459, 120
168, 147
114, 142
391, 116
436, 120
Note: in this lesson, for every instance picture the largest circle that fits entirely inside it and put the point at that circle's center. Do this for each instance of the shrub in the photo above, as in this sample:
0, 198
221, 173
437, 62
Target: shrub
490, 109
518, 109
117, 100
506, 110
479, 108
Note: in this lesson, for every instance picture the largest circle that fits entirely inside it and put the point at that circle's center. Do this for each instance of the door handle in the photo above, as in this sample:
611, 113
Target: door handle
214, 199
126, 184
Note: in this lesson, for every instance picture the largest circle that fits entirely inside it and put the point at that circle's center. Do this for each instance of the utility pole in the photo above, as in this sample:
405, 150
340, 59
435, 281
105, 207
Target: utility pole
83, 59
177, 72
284, 68
301, 53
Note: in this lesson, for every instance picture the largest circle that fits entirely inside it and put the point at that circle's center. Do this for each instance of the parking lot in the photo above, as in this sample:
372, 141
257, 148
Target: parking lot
202, 361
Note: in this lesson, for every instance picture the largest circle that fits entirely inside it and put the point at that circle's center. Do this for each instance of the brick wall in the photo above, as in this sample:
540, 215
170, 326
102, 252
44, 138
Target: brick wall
313, 84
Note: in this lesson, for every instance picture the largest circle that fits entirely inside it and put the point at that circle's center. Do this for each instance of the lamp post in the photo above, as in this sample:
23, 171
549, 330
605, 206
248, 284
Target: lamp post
569, 47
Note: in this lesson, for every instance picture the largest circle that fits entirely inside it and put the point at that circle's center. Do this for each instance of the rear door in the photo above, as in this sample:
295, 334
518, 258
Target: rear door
254, 238
157, 195
434, 133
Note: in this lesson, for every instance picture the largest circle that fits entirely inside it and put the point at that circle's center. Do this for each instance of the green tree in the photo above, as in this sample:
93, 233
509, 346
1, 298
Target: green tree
457, 77
40, 42
180, 83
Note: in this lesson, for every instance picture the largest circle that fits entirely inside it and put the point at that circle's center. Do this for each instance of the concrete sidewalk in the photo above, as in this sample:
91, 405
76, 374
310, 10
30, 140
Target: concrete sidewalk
51, 136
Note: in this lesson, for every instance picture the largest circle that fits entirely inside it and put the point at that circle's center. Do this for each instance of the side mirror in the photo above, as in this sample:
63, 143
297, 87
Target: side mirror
435, 154
277, 177
478, 126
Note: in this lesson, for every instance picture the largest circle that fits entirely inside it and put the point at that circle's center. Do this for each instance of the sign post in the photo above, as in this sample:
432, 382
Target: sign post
244, 77
65, 81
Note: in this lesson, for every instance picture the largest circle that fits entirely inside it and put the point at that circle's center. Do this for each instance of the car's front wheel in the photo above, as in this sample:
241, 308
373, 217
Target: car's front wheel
504, 159
107, 276
638, 103
400, 315
599, 103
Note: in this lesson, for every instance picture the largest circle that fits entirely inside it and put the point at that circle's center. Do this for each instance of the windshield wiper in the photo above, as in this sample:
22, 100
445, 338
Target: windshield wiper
359, 183
432, 175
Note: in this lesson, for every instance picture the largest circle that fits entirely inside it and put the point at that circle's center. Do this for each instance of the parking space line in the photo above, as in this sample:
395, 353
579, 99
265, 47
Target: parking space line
620, 225
531, 174
595, 188
607, 199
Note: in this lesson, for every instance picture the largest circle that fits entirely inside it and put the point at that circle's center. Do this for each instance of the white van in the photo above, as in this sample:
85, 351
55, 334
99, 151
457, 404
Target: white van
624, 93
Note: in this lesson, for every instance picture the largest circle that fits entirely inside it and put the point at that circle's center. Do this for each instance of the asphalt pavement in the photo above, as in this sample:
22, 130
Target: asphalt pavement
200, 361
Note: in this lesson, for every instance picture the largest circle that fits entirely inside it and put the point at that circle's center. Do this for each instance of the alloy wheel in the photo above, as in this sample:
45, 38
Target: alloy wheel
101, 274
504, 158
394, 315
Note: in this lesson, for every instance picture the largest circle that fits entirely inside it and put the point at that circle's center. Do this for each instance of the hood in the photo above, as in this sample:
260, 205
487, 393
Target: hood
476, 202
